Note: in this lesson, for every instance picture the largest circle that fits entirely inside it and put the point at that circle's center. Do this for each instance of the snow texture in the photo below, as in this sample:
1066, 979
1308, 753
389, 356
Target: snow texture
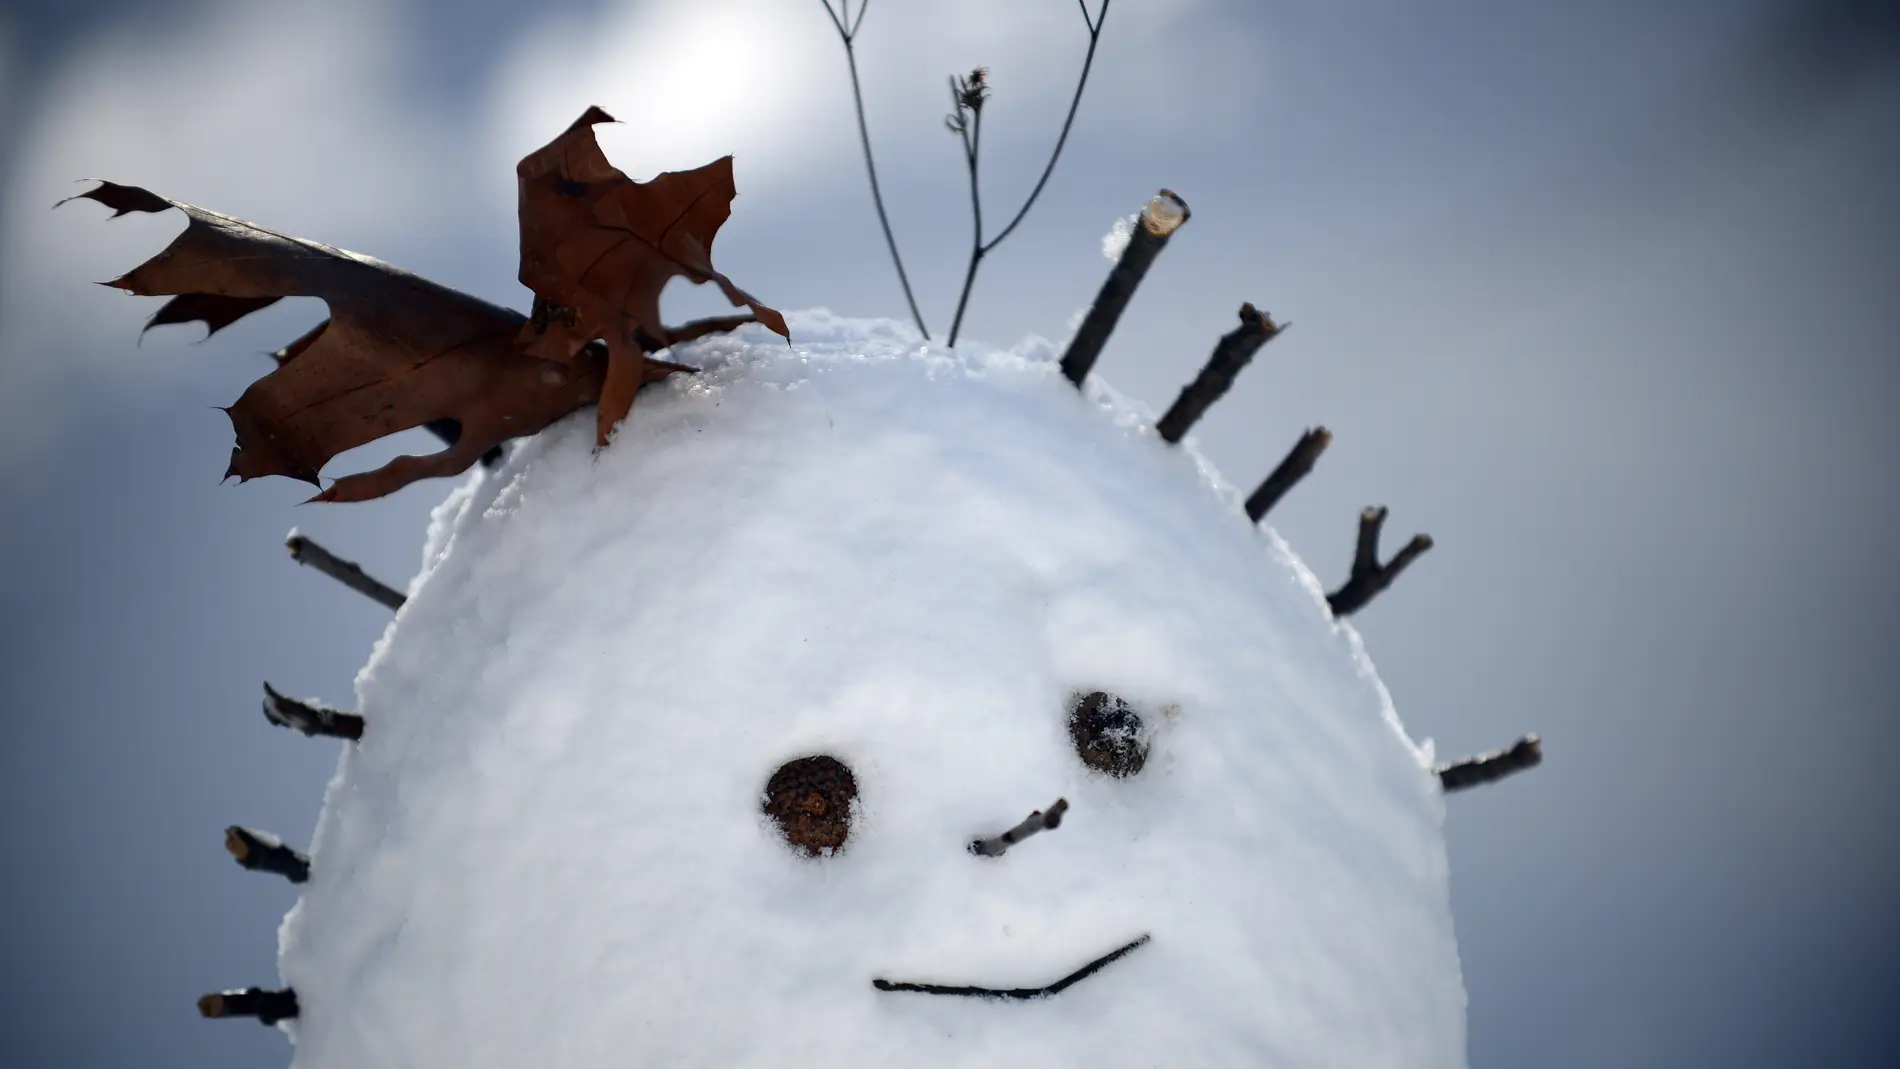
1115, 242
550, 848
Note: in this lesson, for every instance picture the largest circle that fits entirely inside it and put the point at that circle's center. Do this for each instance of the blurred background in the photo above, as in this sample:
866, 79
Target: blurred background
1600, 295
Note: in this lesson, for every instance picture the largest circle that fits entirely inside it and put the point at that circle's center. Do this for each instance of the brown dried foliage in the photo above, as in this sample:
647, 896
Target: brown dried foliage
399, 351
597, 248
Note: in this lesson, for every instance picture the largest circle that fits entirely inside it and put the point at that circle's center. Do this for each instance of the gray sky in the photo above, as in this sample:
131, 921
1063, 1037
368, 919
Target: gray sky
1596, 294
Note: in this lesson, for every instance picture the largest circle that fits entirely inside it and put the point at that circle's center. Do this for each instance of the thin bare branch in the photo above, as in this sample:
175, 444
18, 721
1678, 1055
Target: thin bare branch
1234, 351
1466, 772
1369, 577
978, 247
266, 1005
849, 36
260, 851
1088, 60
349, 573
1033, 823
1159, 219
1298, 463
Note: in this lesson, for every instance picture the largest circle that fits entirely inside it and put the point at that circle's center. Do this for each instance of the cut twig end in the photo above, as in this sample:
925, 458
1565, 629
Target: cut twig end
310, 718
1467, 772
1231, 355
1165, 213
260, 851
1297, 464
307, 552
1035, 822
268, 1006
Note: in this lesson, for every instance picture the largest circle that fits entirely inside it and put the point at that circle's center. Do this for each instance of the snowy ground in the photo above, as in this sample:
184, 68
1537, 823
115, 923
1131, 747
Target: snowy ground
550, 848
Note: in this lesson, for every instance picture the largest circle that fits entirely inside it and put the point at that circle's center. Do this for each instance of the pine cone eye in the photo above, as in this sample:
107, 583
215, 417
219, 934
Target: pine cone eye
811, 798
1107, 734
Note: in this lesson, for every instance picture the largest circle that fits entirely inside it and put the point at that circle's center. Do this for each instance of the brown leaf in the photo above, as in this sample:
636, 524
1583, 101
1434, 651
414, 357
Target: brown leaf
398, 351
597, 248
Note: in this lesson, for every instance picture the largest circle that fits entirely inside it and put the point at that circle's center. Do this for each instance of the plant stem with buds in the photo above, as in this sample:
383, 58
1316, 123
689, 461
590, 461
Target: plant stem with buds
971, 131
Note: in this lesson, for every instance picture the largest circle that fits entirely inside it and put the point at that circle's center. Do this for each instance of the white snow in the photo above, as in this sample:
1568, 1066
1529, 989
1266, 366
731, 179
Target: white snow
549, 848
1115, 242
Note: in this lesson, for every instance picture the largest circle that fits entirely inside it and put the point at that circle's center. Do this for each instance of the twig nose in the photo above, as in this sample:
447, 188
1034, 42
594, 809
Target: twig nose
1033, 823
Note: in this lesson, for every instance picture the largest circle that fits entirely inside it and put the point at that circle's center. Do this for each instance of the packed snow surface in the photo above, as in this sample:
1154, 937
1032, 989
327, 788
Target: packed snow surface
550, 849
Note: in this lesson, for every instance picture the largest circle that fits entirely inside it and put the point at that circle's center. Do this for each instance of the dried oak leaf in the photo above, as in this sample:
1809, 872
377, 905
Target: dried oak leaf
597, 248
398, 351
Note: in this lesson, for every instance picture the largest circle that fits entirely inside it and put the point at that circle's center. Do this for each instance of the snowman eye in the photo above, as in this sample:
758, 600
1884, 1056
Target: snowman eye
1107, 734
811, 799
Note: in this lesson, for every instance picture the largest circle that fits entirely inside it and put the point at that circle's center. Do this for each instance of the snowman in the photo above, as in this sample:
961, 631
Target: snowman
862, 703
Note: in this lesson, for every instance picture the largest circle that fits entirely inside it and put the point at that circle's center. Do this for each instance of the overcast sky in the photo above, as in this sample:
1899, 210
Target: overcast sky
1597, 294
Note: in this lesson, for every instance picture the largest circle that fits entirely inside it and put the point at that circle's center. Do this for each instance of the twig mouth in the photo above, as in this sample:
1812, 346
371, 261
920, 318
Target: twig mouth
1020, 993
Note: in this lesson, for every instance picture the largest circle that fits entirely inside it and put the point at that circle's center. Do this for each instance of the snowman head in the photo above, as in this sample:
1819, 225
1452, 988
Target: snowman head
678, 751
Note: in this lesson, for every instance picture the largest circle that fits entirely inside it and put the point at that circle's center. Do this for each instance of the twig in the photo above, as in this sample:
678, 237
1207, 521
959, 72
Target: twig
1056, 988
849, 36
304, 551
1160, 218
260, 851
1298, 463
309, 717
266, 1005
1369, 577
1231, 355
978, 247
1033, 823
1525, 753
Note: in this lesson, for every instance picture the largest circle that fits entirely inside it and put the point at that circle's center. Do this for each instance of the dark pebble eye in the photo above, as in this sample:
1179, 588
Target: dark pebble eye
1107, 734
811, 798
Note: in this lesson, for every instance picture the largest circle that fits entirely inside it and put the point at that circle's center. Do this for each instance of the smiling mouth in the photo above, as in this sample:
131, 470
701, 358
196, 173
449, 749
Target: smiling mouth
1056, 988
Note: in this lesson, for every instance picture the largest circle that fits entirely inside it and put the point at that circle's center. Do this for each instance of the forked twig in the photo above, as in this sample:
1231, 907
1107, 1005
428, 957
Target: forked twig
848, 33
1369, 577
1298, 463
1033, 823
969, 128
1231, 356
1466, 772
1159, 219
349, 573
